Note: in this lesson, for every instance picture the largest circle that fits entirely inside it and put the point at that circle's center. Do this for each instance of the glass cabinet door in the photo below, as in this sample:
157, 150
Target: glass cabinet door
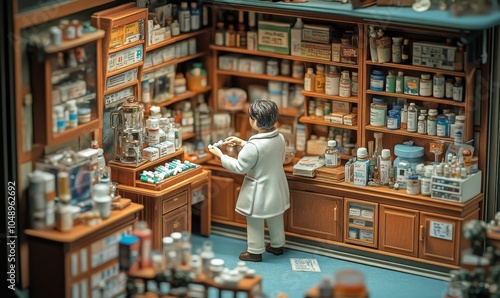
361, 223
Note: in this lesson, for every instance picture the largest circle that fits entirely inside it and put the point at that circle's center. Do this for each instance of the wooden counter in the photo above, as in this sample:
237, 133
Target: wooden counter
68, 264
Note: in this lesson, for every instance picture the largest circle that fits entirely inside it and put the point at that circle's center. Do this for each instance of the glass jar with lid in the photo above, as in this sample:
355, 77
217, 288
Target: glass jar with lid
425, 85
393, 120
378, 112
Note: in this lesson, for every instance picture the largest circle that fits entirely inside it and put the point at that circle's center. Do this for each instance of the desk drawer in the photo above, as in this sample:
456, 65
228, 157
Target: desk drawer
175, 201
175, 221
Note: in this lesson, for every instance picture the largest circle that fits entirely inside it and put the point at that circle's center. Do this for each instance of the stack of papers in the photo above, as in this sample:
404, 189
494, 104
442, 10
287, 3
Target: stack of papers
307, 166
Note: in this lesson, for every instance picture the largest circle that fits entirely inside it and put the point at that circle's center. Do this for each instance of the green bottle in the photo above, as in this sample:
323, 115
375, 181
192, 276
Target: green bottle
390, 82
400, 83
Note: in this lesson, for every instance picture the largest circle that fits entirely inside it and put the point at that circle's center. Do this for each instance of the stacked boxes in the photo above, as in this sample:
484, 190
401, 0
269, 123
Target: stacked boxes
434, 55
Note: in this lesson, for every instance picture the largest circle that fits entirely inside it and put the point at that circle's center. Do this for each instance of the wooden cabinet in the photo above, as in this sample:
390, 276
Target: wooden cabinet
361, 222
315, 215
399, 228
73, 264
66, 80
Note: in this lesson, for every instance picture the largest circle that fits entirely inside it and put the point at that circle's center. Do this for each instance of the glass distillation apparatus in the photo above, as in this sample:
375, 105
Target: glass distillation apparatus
127, 123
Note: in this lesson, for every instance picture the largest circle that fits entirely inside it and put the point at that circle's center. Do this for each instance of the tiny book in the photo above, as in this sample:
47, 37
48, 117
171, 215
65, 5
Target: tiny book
307, 166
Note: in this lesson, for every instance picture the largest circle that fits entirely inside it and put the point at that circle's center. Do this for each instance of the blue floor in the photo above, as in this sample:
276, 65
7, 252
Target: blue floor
278, 276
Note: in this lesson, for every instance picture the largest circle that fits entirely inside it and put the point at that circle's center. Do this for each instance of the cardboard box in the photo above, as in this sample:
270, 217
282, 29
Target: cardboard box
336, 50
434, 51
317, 33
274, 37
316, 50
337, 118
150, 153
351, 119
229, 62
435, 63
341, 107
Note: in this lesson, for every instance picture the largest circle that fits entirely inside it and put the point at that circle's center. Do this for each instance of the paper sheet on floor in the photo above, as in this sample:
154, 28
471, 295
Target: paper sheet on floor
305, 265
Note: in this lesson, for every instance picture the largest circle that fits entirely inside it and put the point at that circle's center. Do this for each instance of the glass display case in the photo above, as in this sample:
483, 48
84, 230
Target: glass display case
360, 222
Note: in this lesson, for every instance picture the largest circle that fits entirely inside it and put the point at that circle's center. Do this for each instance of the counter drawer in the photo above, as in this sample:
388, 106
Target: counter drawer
175, 221
175, 201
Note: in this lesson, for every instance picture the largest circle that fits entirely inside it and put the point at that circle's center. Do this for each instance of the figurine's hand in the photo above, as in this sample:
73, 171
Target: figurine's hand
234, 141
215, 151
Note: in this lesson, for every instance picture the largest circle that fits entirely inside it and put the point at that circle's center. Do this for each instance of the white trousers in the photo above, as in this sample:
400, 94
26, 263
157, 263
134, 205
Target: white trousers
255, 233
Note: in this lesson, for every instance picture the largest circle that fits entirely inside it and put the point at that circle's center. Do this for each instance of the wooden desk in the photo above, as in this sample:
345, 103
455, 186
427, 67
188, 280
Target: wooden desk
248, 285
66, 264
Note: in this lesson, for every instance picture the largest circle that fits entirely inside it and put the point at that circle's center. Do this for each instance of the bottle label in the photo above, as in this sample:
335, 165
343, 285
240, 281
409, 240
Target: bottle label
412, 122
345, 90
308, 84
425, 88
219, 38
377, 116
384, 171
347, 173
392, 123
399, 86
458, 93
441, 130
431, 127
425, 186
354, 88
331, 160
332, 86
421, 127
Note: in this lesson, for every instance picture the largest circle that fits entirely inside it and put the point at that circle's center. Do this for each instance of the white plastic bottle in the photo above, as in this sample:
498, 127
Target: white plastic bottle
332, 156
153, 132
412, 118
385, 165
425, 183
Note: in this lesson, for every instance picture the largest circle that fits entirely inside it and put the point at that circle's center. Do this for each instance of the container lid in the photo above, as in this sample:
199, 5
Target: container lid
400, 73
332, 143
386, 153
425, 76
393, 112
413, 177
460, 118
406, 151
397, 107
421, 117
378, 72
362, 152
433, 112
128, 239
442, 117
167, 241
378, 100
100, 189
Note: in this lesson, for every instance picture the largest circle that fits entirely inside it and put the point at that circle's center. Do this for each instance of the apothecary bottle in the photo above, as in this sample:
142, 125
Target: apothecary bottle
230, 36
220, 34
320, 79
396, 49
385, 165
378, 111
393, 120
332, 82
405, 51
432, 122
412, 118
354, 84
422, 125
241, 36
309, 80
425, 85
345, 84
390, 82
438, 86
458, 90
332, 156
442, 126
400, 83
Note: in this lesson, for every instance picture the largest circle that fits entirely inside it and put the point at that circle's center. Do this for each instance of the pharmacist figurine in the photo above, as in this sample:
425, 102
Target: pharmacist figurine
264, 195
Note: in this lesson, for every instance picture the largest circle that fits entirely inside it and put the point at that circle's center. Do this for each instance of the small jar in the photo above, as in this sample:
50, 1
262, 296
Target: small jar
438, 86
413, 185
442, 126
425, 85
297, 70
421, 125
432, 122
55, 35
393, 120
84, 112
272, 67
378, 112
285, 67
377, 80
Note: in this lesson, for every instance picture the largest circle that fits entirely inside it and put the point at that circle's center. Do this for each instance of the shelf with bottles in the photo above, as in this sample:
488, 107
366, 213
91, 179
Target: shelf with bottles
351, 99
173, 61
175, 39
319, 121
65, 83
406, 133
443, 101
281, 56
260, 76
416, 68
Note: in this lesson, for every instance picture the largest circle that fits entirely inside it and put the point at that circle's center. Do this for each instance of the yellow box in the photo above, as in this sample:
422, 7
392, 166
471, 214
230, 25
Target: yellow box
117, 37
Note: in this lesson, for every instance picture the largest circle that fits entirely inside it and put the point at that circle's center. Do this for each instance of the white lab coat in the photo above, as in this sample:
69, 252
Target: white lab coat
264, 192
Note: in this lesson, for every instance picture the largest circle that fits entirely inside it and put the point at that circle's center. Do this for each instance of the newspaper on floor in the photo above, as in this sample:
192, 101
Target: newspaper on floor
310, 265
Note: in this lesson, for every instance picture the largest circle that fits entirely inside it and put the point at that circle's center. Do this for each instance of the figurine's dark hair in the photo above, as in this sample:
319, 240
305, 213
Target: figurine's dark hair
265, 112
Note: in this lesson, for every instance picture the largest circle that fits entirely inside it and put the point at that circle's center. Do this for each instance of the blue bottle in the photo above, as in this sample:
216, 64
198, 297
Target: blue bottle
442, 126
393, 120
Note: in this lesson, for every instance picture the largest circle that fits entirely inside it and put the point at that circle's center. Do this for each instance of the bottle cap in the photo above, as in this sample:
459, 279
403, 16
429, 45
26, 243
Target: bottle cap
141, 225
362, 152
100, 189
155, 109
194, 5
386, 153
400, 73
421, 117
459, 118
433, 112
184, 5
425, 76
332, 143
167, 241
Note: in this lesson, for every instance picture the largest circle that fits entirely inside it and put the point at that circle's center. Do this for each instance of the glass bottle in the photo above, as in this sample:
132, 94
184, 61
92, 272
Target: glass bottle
252, 33
404, 116
396, 49
309, 80
442, 126
241, 36
332, 82
425, 183
458, 90
348, 171
354, 83
195, 16
400, 83
390, 82
422, 125
402, 172
332, 155
405, 52
320, 79
345, 84
184, 16
220, 34
432, 122
378, 146
230, 36
438, 86
412, 118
